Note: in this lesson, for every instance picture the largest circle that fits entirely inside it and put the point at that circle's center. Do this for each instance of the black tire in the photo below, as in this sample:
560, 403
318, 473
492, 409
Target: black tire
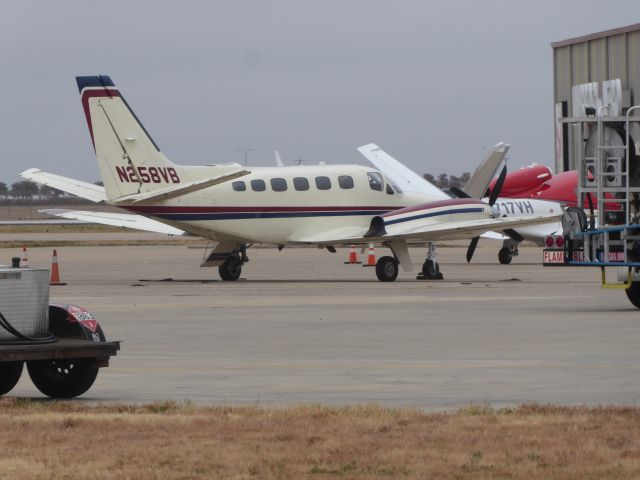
633, 293
387, 269
65, 378
505, 255
9, 375
230, 270
431, 270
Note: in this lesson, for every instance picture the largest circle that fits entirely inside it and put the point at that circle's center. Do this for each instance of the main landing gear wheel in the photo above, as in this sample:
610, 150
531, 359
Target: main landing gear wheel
9, 375
64, 378
387, 269
505, 255
633, 293
230, 270
431, 270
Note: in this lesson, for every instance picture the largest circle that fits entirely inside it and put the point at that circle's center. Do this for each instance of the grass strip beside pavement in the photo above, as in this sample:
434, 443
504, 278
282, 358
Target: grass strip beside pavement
43, 439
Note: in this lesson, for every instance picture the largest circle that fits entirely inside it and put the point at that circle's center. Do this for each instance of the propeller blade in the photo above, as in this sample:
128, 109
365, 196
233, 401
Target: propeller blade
495, 193
472, 248
459, 193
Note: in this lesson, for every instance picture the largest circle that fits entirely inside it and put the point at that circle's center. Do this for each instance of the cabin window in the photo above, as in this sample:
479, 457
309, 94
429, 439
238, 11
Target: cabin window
390, 189
345, 182
375, 181
323, 183
278, 184
301, 184
239, 186
258, 185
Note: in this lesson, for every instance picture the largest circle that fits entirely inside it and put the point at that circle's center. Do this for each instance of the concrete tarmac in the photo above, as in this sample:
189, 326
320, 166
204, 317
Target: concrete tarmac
304, 327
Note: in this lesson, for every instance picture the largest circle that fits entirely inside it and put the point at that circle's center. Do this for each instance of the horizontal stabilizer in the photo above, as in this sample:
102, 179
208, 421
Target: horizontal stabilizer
182, 189
87, 190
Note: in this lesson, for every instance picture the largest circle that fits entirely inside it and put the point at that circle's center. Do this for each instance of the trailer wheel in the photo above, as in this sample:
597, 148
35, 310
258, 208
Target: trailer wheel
633, 293
65, 378
9, 375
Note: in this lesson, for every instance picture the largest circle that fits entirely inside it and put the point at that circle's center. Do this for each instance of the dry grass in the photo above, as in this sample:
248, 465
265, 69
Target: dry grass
71, 440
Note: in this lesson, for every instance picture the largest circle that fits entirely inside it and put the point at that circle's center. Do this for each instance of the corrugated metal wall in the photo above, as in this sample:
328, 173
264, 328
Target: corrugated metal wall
594, 59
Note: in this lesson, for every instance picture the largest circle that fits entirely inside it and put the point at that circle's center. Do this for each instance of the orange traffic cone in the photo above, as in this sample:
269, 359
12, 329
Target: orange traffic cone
24, 261
55, 272
371, 257
353, 256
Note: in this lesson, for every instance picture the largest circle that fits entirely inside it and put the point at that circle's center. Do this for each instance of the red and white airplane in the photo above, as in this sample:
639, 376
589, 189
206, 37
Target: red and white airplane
325, 205
535, 183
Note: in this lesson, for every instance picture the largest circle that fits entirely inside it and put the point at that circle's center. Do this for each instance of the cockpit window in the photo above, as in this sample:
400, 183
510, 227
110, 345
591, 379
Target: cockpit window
395, 186
375, 181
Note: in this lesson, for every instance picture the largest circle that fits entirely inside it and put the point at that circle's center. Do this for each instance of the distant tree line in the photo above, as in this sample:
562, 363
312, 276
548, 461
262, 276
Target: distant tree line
445, 181
29, 192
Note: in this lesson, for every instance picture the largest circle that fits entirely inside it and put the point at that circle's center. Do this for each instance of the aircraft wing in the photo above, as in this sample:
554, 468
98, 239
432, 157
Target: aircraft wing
397, 173
87, 190
416, 232
125, 220
459, 229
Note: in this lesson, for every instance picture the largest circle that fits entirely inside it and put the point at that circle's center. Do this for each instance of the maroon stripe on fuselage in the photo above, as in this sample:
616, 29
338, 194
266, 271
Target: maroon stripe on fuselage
167, 209
440, 203
91, 93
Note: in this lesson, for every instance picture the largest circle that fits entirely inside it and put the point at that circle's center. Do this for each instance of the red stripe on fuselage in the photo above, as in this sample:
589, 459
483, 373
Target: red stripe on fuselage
91, 93
440, 203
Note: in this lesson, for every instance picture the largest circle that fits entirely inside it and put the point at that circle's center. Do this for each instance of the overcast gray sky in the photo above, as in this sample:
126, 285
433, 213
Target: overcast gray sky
431, 82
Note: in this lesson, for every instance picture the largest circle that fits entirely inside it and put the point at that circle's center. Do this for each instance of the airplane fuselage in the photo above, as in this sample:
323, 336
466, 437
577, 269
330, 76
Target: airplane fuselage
284, 204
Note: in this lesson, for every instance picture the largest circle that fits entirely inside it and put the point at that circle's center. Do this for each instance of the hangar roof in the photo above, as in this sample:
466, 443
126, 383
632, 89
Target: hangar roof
593, 36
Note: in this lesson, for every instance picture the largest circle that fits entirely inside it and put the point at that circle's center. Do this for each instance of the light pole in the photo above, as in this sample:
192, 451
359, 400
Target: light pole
245, 153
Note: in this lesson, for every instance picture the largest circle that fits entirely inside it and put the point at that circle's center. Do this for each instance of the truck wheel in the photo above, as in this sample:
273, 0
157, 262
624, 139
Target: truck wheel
633, 293
9, 375
65, 378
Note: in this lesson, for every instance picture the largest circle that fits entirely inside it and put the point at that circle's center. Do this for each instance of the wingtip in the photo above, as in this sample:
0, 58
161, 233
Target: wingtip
368, 147
29, 171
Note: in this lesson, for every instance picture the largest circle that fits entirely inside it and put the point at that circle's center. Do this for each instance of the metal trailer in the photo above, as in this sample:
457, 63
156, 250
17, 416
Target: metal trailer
63, 346
609, 186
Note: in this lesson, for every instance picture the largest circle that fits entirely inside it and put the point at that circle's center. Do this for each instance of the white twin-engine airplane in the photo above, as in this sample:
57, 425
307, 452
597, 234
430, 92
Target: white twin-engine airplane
325, 205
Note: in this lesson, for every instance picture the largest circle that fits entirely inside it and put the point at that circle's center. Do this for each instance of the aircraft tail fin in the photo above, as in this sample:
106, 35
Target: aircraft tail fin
130, 162
481, 178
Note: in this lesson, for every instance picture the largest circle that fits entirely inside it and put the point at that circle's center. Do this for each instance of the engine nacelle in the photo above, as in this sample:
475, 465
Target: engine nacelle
523, 182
